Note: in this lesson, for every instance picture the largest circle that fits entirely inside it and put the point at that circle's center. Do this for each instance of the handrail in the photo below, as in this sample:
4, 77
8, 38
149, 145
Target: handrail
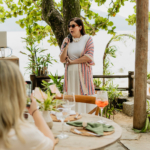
94, 76
130, 77
148, 97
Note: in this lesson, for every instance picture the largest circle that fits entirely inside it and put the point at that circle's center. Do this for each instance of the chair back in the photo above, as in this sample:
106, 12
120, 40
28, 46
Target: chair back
84, 99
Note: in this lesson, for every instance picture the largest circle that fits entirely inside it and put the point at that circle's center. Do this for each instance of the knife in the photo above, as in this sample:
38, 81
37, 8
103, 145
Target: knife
77, 131
94, 134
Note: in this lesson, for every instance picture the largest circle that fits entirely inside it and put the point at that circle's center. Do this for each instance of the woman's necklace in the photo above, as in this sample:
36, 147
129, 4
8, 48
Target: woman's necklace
77, 39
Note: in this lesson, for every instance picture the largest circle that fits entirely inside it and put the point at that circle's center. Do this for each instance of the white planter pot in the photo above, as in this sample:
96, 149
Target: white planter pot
48, 119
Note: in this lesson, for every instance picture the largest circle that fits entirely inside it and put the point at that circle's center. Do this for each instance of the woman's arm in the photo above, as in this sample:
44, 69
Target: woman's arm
39, 120
42, 126
63, 55
80, 60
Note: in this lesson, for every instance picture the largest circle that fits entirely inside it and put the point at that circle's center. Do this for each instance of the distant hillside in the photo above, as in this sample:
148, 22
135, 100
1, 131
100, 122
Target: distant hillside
119, 22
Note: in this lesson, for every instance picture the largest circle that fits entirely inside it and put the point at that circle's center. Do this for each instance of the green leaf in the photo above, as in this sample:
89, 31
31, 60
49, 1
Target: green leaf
110, 23
38, 100
1, 2
23, 53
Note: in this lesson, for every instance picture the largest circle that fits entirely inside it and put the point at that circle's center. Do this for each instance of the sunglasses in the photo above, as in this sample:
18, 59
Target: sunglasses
73, 26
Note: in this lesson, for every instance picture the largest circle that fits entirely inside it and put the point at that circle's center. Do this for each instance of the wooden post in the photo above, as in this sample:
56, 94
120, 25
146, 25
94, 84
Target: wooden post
33, 79
130, 83
141, 64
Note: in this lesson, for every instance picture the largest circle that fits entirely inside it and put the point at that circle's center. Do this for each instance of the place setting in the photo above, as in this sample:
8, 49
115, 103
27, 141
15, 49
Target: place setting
93, 129
68, 102
63, 112
98, 128
72, 117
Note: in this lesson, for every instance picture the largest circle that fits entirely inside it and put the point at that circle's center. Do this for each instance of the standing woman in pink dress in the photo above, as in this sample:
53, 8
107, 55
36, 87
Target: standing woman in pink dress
78, 57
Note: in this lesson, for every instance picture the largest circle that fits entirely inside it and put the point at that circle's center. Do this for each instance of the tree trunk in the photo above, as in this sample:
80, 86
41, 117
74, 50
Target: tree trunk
141, 64
71, 9
54, 19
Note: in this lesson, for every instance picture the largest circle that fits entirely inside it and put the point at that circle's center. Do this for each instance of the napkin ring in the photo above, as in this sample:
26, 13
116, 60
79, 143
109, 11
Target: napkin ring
84, 124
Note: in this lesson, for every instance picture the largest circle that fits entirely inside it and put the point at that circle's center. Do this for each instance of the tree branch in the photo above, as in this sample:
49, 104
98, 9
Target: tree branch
36, 4
95, 28
57, 7
53, 18
89, 25
108, 15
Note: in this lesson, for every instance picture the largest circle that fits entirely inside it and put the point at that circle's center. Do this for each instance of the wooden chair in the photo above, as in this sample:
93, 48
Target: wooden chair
84, 99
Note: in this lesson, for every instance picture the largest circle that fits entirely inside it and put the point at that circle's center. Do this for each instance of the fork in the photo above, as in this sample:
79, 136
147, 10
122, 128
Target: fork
76, 117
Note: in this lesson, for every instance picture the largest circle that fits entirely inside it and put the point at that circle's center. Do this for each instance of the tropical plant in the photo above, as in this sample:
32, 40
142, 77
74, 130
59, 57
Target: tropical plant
97, 82
32, 51
42, 63
45, 60
113, 94
55, 80
46, 100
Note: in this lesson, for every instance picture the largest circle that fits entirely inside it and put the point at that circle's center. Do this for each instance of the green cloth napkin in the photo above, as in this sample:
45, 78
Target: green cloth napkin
97, 128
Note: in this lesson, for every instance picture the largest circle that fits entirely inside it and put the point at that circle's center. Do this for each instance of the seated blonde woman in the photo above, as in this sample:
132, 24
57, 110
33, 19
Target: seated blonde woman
15, 132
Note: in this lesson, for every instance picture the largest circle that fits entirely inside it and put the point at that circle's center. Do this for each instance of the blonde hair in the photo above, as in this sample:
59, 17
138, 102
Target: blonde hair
12, 99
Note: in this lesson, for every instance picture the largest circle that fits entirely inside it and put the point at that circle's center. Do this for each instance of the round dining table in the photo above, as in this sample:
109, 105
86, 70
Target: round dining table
79, 142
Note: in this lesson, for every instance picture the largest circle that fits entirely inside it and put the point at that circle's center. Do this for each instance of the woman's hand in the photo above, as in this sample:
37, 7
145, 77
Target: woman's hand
33, 105
69, 61
66, 40
65, 49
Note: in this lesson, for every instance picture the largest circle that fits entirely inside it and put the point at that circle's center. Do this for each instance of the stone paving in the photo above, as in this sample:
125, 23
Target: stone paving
129, 140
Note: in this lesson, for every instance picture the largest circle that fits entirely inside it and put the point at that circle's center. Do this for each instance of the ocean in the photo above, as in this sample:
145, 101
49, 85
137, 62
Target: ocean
124, 61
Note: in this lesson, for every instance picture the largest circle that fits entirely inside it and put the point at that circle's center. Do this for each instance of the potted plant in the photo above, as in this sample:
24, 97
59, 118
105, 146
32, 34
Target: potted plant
113, 95
46, 103
32, 51
55, 80
34, 64
97, 82
42, 64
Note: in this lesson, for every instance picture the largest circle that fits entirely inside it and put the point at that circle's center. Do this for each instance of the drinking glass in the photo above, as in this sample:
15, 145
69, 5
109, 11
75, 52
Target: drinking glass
101, 102
62, 114
6, 52
68, 101
3, 52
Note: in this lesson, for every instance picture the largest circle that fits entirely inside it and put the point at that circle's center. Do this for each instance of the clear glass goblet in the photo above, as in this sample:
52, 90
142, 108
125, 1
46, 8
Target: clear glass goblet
62, 114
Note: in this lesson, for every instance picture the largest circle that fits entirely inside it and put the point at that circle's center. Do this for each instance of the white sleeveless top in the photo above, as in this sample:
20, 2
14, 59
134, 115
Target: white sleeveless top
75, 48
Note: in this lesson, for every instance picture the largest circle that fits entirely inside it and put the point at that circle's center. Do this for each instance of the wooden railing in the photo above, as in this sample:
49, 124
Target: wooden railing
130, 81
36, 81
